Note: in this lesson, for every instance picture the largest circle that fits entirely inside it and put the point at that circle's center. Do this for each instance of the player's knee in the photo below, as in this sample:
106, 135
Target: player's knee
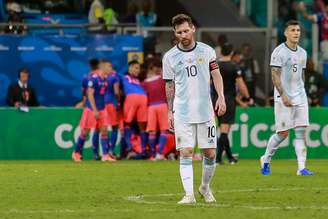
283, 134
84, 133
103, 131
186, 152
299, 132
209, 154
142, 126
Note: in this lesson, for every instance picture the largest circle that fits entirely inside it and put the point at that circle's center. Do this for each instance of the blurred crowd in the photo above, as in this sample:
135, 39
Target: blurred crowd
103, 17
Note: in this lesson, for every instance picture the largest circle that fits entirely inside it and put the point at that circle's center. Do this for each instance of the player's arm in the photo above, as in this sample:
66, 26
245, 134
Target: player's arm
91, 98
81, 103
168, 76
220, 105
243, 90
116, 87
170, 91
302, 9
11, 100
276, 79
240, 102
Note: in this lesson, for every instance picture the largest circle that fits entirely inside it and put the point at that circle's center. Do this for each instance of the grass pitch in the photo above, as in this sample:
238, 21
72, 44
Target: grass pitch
146, 189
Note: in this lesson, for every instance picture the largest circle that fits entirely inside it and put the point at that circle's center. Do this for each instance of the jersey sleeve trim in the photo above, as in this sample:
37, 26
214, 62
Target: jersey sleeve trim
213, 65
276, 66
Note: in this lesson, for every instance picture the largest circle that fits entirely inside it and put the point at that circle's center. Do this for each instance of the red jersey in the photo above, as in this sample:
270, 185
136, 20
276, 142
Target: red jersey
155, 89
322, 21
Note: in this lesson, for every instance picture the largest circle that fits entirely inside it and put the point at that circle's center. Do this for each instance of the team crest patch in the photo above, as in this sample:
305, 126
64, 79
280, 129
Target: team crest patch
200, 60
211, 141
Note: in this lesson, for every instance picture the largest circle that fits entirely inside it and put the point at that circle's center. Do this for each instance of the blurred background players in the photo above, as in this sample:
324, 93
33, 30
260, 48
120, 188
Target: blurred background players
321, 18
250, 69
222, 39
232, 77
315, 84
94, 113
154, 86
112, 100
135, 107
94, 70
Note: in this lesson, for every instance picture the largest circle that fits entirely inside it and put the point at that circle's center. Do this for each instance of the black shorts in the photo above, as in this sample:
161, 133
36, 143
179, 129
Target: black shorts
229, 116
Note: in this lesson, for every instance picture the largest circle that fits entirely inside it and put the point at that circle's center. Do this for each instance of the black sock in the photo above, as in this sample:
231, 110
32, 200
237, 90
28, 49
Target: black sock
226, 144
219, 149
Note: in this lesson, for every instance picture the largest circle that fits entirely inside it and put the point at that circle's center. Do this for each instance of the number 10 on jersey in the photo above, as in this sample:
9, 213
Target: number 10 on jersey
191, 70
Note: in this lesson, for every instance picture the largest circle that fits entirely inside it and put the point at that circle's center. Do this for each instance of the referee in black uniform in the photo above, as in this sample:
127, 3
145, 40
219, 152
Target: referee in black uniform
232, 79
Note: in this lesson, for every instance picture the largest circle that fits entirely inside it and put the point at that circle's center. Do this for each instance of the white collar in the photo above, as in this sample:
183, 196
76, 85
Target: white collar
21, 85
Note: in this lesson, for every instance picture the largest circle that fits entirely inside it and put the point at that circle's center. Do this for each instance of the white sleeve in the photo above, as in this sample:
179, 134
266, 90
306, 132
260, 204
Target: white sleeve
276, 59
315, 18
167, 69
256, 66
304, 61
212, 55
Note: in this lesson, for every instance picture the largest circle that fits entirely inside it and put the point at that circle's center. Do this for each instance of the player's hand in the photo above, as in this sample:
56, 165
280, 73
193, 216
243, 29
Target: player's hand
17, 104
286, 101
250, 102
243, 105
96, 114
220, 106
171, 121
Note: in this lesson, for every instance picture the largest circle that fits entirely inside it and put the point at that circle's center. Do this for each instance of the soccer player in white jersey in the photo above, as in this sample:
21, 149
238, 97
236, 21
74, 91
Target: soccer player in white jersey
288, 62
187, 69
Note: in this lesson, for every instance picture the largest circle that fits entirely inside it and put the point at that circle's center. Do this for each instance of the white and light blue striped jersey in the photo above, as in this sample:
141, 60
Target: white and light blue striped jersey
292, 63
190, 71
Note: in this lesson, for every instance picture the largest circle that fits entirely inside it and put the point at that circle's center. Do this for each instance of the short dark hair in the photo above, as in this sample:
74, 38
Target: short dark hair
153, 62
104, 61
180, 19
94, 64
23, 70
236, 52
222, 39
133, 62
226, 49
292, 23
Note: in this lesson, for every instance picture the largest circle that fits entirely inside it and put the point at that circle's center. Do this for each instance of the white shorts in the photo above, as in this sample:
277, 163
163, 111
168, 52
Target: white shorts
191, 134
290, 117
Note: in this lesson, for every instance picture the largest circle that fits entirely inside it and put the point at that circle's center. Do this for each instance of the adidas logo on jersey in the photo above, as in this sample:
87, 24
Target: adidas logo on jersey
211, 141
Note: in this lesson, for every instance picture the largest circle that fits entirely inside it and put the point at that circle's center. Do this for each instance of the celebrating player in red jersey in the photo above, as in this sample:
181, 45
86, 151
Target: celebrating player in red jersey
154, 86
112, 98
135, 106
94, 112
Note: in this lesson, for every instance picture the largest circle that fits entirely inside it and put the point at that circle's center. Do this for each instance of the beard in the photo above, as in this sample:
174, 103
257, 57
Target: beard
185, 42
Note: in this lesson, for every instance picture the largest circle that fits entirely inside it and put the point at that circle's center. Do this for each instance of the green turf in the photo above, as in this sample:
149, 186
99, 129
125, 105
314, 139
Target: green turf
145, 189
